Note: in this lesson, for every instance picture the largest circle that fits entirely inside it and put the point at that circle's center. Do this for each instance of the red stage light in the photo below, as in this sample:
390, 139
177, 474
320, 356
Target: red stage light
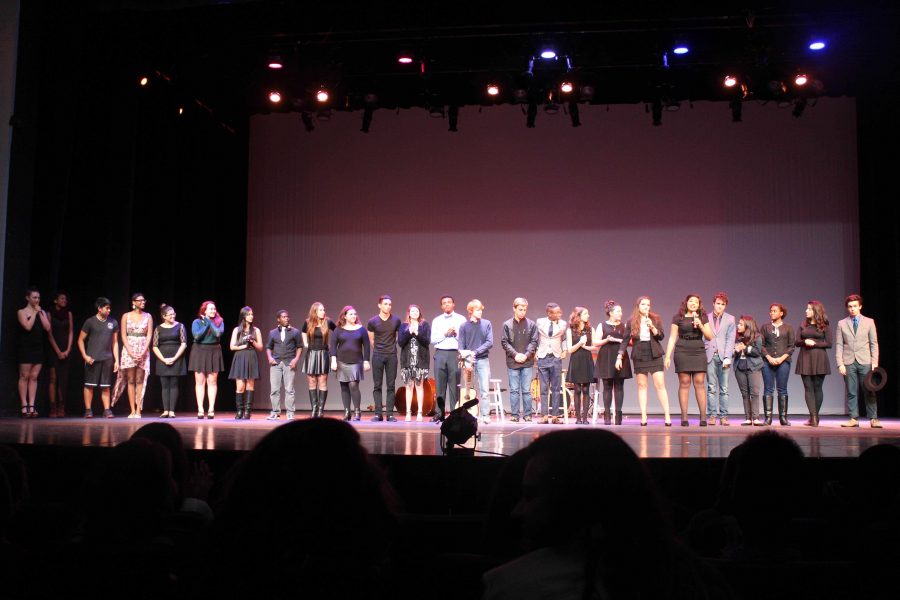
566, 87
493, 89
801, 79
322, 95
730, 81
274, 97
144, 81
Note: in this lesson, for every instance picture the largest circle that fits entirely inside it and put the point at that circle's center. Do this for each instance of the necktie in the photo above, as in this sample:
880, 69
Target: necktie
855, 323
550, 331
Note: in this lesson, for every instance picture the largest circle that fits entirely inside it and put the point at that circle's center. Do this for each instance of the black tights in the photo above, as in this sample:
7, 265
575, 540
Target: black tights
611, 386
350, 391
812, 388
169, 392
581, 400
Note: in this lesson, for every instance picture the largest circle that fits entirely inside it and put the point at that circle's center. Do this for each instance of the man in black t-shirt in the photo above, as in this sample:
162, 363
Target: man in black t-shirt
383, 329
99, 348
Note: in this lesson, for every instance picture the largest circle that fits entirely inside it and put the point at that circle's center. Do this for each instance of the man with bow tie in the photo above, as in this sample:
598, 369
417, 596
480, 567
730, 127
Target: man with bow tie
283, 351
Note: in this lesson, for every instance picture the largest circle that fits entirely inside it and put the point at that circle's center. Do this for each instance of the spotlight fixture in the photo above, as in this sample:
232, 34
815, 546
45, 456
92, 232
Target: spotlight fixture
180, 110
566, 87
143, 81
548, 54
275, 63
800, 79
730, 81
680, 49
274, 96
493, 89
817, 45
322, 95
405, 58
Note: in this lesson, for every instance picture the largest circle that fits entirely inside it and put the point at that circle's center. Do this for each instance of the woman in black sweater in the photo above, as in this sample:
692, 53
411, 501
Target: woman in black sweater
350, 358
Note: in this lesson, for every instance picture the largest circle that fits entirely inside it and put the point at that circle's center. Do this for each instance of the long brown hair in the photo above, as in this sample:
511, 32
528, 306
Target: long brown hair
312, 322
636, 316
751, 330
819, 318
342, 318
575, 320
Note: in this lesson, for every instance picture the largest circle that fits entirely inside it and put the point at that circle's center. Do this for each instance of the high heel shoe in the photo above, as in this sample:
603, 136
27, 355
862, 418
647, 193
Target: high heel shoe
643, 423
685, 423
211, 415
25, 414
200, 415
356, 415
668, 423
346, 414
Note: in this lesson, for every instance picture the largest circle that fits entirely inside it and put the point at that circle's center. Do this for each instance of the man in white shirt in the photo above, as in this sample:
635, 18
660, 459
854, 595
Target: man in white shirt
550, 353
444, 338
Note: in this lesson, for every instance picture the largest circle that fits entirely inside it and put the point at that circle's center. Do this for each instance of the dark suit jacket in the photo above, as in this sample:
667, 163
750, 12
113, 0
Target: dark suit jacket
656, 349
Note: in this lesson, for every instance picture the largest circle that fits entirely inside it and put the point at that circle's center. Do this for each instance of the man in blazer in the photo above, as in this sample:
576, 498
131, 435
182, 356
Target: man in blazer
551, 351
719, 353
520, 340
857, 354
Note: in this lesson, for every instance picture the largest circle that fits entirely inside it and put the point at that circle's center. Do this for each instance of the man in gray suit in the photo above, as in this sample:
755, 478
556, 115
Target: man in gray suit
857, 354
719, 352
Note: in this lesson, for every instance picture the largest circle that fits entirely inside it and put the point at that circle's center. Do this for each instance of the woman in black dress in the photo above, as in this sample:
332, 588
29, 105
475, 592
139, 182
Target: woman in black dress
413, 339
690, 326
350, 358
316, 337
169, 344
579, 341
814, 338
608, 339
246, 342
644, 332
61, 337
33, 325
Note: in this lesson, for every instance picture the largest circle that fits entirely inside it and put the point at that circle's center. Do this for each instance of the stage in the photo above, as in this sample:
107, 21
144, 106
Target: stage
655, 441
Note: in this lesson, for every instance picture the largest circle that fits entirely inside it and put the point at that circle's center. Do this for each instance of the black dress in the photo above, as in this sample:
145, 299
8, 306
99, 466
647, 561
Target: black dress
581, 363
59, 329
245, 363
169, 340
31, 344
813, 360
606, 355
690, 351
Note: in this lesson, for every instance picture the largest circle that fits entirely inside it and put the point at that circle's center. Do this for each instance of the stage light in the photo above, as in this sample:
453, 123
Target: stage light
274, 96
405, 58
730, 81
143, 81
275, 62
817, 45
322, 95
180, 110
493, 89
520, 96
548, 53
680, 49
800, 79
566, 87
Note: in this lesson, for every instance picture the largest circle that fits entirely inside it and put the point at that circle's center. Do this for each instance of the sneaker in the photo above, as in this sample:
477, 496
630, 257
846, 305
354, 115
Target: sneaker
108, 413
850, 423
290, 416
723, 421
88, 414
875, 424
747, 422
514, 419
543, 419
710, 423
377, 418
391, 419
273, 416
556, 420
757, 423
527, 419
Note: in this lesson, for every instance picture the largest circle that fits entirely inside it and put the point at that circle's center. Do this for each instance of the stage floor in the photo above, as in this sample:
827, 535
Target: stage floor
829, 440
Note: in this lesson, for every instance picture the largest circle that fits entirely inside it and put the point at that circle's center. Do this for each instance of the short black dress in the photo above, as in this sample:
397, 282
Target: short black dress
606, 355
31, 344
690, 351
169, 340
59, 329
813, 360
581, 362
245, 363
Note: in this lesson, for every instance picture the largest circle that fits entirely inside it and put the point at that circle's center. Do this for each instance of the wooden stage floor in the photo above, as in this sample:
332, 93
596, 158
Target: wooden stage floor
829, 440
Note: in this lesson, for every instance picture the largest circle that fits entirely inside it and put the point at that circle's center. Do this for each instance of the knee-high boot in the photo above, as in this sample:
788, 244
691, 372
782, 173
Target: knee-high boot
783, 410
313, 400
767, 407
239, 404
748, 409
248, 403
320, 404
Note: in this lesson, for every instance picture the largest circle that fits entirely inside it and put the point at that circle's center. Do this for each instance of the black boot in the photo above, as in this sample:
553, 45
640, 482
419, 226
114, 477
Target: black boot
239, 403
346, 414
248, 403
313, 398
783, 410
767, 407
320, 406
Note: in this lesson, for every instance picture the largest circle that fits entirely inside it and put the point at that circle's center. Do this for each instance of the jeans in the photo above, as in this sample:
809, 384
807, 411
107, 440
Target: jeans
856, 373
776, 377
749, 383
446, 377
482, 370
549, 372
520, 389
716, 388
281, 376
384, 365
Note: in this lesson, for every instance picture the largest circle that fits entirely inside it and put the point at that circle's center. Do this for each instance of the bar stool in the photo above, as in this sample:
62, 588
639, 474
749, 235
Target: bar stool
598, 398
564, 396
495, 399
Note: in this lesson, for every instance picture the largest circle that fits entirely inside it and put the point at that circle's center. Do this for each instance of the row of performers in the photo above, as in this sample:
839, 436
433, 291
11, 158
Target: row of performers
703, 346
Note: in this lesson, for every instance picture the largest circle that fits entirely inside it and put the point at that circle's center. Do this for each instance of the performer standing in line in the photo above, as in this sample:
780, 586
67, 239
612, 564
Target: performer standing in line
206, 355
445, 337
579, 341
383, 329
857, 354
719, 351
609, 338
644, 332
748, 365
690, 326
476, 338
134, 366
778, 346
31, 349
283, 348
519, 342
813, 338
246, 341
100, 351
550, 353
316, 341
62, 336
169, 346
414, 338
350, 358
